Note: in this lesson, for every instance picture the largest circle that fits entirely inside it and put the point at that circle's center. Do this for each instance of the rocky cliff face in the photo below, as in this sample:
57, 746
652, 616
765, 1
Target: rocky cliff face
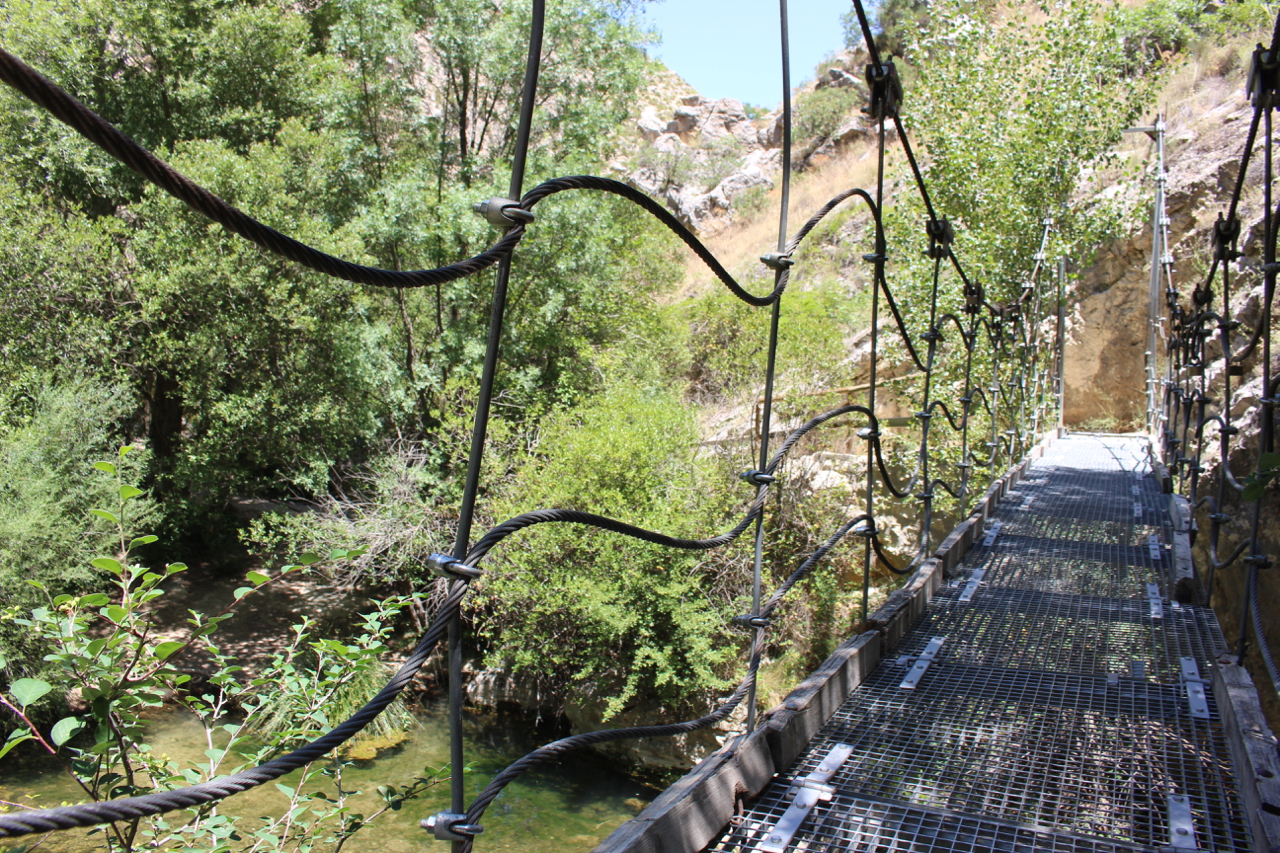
1105, 359
701, 156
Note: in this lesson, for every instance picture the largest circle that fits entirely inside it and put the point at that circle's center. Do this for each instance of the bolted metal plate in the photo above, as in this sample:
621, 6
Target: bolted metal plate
922, 663
975, 580
1182, 829
809, 791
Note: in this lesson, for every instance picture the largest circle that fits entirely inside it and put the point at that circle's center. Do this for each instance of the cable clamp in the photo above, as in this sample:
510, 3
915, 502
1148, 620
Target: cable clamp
1262, 561
925, 496
757, 478
941, 236
931, 335
1270, 402
1220, 517
749, 621
1230, 430
1264, 78
449, 826
1225, 233
777, 261
875, 257
886, 90
1229, 325
503, 212
1271, 267
868, 433
866, 529
444, 566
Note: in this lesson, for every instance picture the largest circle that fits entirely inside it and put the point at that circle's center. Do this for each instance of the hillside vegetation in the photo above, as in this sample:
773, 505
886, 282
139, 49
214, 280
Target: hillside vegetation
270, 412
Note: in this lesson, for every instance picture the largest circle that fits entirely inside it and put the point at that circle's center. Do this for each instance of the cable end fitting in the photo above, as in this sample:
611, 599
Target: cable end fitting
749, 621
450, 826
757, 478
777, 261
444, 566
867, 529
503, 212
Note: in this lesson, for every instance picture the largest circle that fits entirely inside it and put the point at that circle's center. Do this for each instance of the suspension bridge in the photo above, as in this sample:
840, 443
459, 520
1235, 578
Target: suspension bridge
1049, 677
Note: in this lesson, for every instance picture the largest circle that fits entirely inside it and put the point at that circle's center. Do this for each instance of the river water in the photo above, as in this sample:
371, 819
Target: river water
569, 806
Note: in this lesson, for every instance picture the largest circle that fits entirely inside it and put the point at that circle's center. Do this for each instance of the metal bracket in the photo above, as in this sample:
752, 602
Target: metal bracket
1182, 829
1195, 689
451, 826
1156, 602
1153, 544
922, 664
503, 212
809, 791
445, 566
1137, 509
777, 261
975, 581
992, 532
757, 478
1028, 501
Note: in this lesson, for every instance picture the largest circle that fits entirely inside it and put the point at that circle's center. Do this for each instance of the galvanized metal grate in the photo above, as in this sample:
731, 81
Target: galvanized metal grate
861, 823
1025, 629
1059, 566
1055, 711
1057, 751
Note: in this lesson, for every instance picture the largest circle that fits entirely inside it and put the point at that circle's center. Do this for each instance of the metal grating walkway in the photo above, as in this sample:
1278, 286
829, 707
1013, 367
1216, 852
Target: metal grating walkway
1061, 709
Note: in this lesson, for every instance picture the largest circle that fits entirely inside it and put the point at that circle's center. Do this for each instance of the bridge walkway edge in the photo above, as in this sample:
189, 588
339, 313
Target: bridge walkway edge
696, 810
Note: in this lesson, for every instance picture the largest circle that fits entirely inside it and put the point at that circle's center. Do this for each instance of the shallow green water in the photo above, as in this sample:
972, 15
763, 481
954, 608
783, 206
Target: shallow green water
566, 807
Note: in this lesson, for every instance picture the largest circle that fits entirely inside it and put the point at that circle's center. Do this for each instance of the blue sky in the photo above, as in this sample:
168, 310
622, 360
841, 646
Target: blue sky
732, 48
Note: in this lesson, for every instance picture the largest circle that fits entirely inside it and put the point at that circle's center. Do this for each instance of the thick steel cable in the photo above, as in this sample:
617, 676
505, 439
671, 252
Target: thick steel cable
557, 748
67, 109
108, 811
97, 130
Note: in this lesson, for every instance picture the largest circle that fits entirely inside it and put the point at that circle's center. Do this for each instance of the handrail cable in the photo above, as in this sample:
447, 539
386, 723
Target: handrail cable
1004, 326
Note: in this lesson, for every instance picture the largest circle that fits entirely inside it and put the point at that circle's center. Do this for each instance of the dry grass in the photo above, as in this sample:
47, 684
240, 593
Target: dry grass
740, 244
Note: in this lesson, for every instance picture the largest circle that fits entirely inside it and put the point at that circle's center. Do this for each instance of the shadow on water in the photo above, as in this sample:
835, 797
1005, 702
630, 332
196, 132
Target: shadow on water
567, 806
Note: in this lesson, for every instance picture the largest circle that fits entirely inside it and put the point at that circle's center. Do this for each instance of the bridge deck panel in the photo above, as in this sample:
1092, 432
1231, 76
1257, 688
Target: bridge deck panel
1054, 717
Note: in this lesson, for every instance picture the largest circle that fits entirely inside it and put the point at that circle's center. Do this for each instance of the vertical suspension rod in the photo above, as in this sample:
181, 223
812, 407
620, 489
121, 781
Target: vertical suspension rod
466, 513
766, 415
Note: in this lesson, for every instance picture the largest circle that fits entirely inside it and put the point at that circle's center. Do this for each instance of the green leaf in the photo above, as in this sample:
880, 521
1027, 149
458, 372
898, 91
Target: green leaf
107, 564
164, 650
142, 540
65, 729
308, 558
109, 516
109, 467
94, 599
174, 568
257, 578
1254, 491
16, 737
129, 492
115, 614
27, 690
124, 451
242, 591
